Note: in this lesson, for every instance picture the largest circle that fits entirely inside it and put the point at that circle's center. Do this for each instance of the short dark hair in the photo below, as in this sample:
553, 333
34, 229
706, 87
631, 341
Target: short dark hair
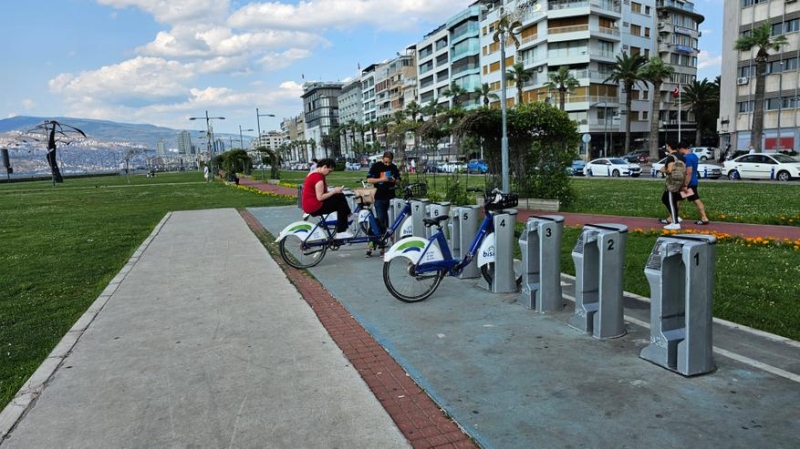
674, 144
314, 160
328, 162
388, 154
683, 144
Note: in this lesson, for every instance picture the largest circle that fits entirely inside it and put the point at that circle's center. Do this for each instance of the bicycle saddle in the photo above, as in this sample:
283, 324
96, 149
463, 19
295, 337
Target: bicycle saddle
435, 220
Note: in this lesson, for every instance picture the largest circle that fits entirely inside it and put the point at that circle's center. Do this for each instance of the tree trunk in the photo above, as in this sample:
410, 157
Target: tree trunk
758, 106
654, 122
628, 102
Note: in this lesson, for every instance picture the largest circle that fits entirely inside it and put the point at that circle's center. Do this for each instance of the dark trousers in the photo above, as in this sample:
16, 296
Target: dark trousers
670, 200
336, 203
382, 214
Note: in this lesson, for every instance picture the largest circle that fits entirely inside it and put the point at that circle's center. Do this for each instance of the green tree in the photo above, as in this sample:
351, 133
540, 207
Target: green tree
655, 72
455, 93
519, 75
562, 81
485, 93
702, 98
762, 40
626, 72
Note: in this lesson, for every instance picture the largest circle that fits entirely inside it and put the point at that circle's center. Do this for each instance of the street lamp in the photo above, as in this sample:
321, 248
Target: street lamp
208, 133
258, 123
503, 114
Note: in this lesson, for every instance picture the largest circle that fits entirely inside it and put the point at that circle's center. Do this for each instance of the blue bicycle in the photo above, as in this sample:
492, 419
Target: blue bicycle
303, 244
414, 267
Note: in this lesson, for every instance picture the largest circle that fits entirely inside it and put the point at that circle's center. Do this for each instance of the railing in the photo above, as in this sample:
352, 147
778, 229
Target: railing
569, 29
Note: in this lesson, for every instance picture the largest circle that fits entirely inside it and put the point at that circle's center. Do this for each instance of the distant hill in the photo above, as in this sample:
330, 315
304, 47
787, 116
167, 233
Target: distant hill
106, 131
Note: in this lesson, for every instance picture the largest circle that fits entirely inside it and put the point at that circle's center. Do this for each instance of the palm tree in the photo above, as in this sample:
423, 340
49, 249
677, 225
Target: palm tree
626, 71
485, 92
562, 81
761, 39
701, 96
383, 124
413, 110
519, 75
454, 92
655, 71
432, 108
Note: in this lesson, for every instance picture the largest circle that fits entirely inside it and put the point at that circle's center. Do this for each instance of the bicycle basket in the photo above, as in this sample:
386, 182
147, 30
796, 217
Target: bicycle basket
507, 200
419, 190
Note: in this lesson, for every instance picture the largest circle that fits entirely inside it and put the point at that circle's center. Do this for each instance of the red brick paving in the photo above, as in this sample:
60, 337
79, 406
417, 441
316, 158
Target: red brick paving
420, 420
645, 223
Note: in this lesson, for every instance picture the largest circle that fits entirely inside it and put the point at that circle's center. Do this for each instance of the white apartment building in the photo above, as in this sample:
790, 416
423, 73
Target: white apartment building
738, 72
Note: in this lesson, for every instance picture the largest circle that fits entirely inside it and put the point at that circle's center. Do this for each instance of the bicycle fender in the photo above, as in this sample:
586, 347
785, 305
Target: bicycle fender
414, 249
307, 231
486, 251
407, 228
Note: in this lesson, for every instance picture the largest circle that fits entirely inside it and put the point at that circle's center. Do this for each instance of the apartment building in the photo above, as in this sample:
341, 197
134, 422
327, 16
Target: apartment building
587, 36
738, 76
321, 116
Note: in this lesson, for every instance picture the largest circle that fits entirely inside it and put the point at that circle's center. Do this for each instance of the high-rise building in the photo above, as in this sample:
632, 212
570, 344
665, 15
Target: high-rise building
738, 82
321, 115
185, 147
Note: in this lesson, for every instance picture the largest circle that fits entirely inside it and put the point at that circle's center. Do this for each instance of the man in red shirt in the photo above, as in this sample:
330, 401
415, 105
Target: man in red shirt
318, 200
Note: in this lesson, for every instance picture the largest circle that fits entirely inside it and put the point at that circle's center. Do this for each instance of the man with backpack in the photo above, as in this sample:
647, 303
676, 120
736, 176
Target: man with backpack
691, 182
674, 170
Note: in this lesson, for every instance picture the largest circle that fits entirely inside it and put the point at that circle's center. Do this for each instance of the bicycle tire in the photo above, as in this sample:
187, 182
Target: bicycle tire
406, 285
487, 271
293, 252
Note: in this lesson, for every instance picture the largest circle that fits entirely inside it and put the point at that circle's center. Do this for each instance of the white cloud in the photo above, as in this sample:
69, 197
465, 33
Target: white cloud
706, 60
322, 14
174, 11
138, 80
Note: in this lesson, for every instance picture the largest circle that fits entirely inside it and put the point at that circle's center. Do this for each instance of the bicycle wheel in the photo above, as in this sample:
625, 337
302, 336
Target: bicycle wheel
295, 253
405, 284
488, 272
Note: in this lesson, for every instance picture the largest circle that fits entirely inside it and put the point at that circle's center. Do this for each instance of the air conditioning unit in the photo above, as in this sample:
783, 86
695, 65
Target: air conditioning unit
625, 24
660, 25
742, 81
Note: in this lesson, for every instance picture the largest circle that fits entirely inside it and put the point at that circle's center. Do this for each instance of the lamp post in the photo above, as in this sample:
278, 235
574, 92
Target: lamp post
258, 123
210, 140
503, 114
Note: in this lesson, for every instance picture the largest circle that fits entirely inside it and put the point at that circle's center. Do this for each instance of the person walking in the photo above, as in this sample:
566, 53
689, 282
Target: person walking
206, 172
673, 165
384, 175
314, 165
318, 200
690, 192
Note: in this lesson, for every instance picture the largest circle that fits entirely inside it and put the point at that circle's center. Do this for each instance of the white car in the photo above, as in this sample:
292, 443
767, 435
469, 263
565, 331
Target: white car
762, 166
704, 171
705, 153
612, 166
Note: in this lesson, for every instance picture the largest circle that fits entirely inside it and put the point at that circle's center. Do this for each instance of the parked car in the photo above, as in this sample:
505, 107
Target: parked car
613, 167
477, 166
353, 166
453, 167
577, 168
762, 166
710, 171
705, 153
636, 156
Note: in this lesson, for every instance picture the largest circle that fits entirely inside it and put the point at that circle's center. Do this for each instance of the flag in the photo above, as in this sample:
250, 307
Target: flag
302, 76
677, 92
359, 66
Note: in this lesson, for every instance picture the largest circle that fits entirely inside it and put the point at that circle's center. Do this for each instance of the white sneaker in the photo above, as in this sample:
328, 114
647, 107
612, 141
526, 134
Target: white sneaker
342, 235
680, 219
672, 226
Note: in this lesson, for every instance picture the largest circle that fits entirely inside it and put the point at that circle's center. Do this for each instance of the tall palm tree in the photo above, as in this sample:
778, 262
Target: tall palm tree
485, 92
413, 110
454, 92
383, 125
562, 81
626, 71
519, 75
701, 97
761, 39
655, 72
433, 108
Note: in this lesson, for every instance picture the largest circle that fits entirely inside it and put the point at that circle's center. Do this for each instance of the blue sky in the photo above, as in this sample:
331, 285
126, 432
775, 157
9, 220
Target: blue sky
161, 62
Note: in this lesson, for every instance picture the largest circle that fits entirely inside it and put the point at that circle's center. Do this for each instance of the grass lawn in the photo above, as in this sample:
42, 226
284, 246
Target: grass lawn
63, 244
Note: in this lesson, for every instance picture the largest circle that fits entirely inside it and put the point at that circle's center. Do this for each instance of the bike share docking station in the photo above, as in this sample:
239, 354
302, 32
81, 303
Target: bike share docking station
434, 210
418, 209
599, 257
540, 244
462, 228
680, 271
504, 279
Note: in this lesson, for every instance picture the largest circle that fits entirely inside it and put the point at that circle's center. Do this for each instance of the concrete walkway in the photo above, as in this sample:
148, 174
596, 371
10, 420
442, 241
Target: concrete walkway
200, 341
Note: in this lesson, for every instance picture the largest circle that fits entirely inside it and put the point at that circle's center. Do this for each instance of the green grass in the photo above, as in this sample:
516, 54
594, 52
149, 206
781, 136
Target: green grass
62, 245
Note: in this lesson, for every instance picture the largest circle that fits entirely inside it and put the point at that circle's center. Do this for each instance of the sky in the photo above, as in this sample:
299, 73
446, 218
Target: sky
162, 62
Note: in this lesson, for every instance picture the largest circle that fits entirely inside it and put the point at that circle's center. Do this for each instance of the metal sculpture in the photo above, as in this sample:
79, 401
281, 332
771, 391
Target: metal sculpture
54, 132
